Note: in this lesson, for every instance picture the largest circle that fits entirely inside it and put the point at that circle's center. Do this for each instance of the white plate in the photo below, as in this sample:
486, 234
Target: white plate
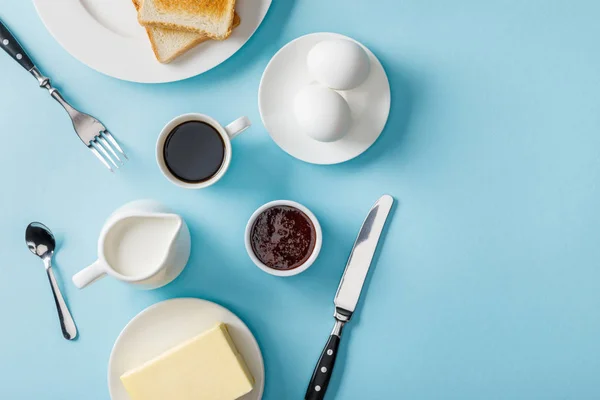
169, 323
287, 72
105, 35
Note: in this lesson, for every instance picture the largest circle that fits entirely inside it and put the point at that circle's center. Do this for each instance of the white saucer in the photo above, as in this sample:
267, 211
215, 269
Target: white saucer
165, 325
106, 36
287, 72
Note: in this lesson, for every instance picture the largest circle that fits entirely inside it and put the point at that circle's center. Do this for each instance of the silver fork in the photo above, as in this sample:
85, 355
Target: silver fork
91, 131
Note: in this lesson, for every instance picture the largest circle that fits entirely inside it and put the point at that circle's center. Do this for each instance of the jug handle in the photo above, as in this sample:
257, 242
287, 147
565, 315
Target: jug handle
89, 275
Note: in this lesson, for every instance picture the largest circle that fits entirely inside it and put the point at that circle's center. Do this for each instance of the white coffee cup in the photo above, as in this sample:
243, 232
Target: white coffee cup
227, 133
142, 243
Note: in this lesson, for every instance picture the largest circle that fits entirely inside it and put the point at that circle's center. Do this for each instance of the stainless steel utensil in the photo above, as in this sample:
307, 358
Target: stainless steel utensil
41, 243
349, 291
91, 131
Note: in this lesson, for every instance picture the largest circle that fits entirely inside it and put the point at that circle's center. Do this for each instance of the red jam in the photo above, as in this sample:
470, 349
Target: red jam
283, 237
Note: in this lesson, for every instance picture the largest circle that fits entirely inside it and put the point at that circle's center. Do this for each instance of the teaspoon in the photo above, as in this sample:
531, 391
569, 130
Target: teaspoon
41, 243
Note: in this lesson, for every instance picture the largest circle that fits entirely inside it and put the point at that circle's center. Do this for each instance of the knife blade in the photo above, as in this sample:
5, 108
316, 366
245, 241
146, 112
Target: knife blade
349, 291
361, 256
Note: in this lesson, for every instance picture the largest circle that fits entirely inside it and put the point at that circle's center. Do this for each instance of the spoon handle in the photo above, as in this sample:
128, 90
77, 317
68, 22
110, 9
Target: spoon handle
69, 330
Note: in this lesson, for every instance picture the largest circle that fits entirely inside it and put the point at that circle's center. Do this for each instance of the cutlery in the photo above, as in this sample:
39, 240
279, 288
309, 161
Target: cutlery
91, 131
349, 291
41, 243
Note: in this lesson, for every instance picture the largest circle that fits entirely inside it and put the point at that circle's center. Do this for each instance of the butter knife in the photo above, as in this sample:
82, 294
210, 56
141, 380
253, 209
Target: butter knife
349, 291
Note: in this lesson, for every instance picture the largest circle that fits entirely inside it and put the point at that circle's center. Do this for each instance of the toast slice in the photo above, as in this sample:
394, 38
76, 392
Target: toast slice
168, 44
214, 18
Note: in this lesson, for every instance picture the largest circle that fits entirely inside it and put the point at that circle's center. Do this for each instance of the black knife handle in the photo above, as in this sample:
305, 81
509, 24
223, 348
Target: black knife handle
9, 43
323, 371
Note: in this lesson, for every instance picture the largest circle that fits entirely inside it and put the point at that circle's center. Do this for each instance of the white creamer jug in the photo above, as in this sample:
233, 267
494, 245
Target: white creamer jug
142, 243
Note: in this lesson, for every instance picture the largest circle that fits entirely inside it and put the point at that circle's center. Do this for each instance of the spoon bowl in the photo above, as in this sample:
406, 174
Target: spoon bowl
40, 240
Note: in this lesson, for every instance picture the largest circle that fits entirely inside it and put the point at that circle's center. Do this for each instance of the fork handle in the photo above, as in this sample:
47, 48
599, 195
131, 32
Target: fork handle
10, 44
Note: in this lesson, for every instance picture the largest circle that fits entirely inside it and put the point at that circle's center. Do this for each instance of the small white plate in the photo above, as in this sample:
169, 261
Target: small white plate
287, 72
164, 325
106, 36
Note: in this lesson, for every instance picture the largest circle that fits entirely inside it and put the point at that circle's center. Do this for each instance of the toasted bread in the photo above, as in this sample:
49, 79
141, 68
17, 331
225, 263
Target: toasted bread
168, 44
214, 18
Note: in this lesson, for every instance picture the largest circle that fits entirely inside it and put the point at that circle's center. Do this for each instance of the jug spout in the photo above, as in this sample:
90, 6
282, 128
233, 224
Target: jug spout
175, 224
165, 226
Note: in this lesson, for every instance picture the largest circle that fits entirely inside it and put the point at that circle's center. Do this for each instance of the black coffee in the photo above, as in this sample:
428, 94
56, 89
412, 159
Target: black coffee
194, 151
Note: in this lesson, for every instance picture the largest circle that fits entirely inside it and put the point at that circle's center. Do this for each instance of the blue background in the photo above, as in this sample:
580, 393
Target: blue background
488, 283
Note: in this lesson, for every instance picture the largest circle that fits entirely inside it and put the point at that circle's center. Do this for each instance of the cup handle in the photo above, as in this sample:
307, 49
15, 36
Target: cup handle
238, 126
89, 275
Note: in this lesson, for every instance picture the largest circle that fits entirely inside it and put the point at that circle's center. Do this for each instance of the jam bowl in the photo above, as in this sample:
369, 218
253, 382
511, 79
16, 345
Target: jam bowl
283, 238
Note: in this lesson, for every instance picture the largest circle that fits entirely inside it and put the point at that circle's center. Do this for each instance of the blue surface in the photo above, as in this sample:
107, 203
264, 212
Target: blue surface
487, 286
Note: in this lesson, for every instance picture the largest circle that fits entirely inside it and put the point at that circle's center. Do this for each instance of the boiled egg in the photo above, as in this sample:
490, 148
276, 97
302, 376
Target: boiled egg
322, 113
339, 64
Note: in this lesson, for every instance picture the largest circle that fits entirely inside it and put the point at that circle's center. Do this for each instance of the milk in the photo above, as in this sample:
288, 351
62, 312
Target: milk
138, 246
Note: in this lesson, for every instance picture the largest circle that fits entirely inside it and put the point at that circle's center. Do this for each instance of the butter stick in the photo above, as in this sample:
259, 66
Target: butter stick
206, 367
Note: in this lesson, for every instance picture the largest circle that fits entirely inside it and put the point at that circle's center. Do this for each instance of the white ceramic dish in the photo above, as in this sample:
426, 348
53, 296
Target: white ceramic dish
287, 72
169, 323
313, 256
106, 36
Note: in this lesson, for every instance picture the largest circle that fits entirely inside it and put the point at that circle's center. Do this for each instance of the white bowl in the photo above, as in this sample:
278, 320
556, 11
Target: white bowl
307, 263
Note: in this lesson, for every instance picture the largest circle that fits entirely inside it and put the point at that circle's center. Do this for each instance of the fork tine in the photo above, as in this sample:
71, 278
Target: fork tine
99, 146
107, 165
112, 140
109, 147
